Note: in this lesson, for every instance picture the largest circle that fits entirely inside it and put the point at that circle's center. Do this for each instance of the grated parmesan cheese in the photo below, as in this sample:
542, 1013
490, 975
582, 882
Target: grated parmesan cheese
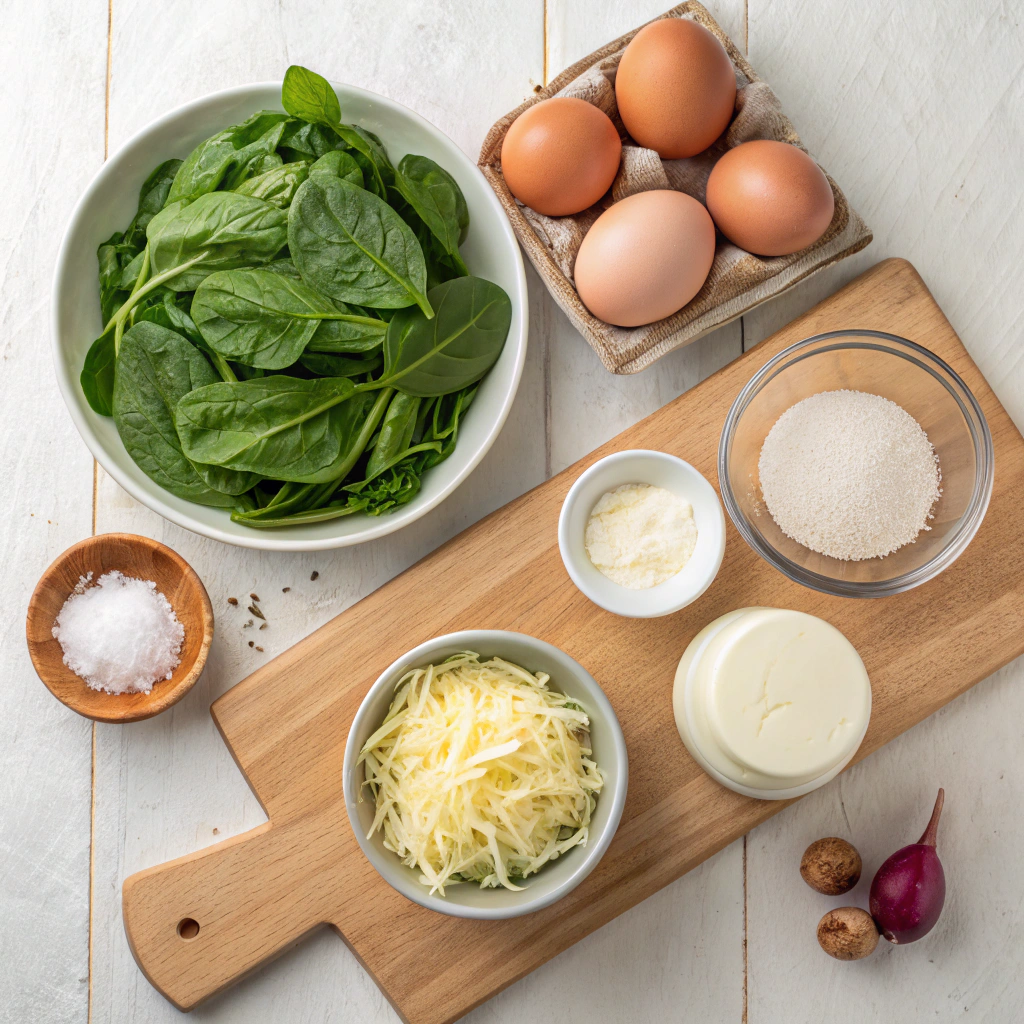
480, 773
639, 535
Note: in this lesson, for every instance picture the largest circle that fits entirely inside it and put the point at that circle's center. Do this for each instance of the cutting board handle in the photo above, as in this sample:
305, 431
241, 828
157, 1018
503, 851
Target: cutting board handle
197, 924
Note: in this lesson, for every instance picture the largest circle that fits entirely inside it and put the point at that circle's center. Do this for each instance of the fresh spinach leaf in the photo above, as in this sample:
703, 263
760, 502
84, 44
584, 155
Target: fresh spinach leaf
350, 245
369, 152
229, 481
224, 159
284, 266
120, 256
261, 164
293, 499
257, 317
309, 96
112, 295
265, 319
325, 364
164, 307
277, 185
454, 349
160, 308
339, 164
438, 201
396, 432
302, 140
97, 376
220, 230
280, 427
152, 199
349, 337
155, 368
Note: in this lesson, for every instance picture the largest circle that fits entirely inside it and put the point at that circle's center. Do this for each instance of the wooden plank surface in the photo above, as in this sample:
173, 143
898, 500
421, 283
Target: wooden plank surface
53, 112
286, 724
934, 174
922, 106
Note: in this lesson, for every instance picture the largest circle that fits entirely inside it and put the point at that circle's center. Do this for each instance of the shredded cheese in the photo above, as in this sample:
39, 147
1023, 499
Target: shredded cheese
480, 773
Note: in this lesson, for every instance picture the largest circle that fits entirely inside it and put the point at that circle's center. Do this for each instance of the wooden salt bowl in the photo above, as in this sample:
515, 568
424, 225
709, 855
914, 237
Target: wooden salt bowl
133, 556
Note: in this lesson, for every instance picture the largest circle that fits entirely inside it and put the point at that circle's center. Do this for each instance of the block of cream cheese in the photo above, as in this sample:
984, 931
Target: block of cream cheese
771, 703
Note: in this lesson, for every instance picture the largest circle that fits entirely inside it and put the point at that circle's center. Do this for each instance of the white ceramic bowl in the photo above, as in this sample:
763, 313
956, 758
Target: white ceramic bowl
660, 470
558, 877
109, 203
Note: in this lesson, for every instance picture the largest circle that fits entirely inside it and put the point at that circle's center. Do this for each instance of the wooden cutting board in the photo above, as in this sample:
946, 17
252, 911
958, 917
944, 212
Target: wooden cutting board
258, 893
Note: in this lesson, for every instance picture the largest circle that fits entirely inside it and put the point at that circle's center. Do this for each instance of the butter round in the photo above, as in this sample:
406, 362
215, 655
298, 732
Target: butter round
771, 702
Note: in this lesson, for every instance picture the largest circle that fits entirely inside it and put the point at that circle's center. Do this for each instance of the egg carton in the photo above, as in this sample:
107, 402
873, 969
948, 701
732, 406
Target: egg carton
738, 280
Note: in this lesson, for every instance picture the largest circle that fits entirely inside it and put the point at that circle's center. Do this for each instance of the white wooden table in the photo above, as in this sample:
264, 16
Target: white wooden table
916, 107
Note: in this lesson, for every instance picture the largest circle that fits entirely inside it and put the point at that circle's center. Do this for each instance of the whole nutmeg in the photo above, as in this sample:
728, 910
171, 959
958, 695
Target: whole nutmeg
830, 866
847, 933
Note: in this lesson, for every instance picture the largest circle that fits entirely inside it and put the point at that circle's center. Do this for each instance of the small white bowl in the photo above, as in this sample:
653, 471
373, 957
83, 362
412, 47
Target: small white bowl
660, 470
109, 203
555, 879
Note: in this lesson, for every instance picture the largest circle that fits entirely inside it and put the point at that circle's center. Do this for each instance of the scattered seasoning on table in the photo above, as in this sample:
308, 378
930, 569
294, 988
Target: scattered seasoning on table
254, 597
849, 475
258, 648
233, 600
284, 590
314, 574
263, 625
120, 634
254, 609
248, 624
252, 643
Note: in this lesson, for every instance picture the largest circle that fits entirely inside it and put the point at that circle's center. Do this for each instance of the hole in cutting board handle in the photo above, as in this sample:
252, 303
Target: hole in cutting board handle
188, 928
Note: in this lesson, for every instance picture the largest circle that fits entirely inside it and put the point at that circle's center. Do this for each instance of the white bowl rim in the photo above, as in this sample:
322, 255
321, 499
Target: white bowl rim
606, 598
268, 540
475, 639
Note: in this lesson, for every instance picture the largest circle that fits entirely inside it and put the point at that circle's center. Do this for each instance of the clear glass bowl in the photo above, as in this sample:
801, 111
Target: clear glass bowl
910, 376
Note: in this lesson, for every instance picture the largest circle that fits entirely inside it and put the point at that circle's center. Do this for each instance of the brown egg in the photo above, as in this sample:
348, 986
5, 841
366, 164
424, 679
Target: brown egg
675, 87
770, 198
560, 156
645, 257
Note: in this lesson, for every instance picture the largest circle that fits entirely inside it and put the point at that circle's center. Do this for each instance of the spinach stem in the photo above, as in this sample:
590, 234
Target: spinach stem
279, 505
460, 263
151, 285
220, 364
140, 282
348, 318
313, 515
365, 433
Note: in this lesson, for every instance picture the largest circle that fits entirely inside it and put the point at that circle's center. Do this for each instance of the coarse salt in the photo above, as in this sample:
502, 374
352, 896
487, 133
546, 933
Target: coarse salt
849, 475
119, 634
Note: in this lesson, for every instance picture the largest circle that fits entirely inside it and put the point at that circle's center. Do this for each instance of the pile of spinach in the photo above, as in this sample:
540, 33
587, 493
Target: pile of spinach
290, 329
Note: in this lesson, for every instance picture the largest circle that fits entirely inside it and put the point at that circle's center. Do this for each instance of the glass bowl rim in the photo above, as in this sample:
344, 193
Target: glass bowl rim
981, 436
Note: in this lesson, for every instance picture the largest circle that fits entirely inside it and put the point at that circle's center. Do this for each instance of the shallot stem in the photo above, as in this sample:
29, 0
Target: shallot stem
928, 839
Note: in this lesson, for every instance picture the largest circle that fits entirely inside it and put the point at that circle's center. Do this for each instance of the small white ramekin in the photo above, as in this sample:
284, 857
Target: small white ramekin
660, 470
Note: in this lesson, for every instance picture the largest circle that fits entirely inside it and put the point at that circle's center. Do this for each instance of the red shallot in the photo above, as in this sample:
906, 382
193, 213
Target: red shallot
908, 890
